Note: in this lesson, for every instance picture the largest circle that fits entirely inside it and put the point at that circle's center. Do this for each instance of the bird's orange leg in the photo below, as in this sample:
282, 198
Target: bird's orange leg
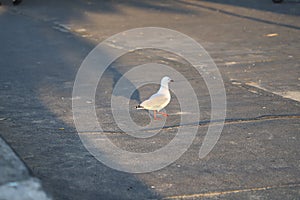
164, 114
154, 114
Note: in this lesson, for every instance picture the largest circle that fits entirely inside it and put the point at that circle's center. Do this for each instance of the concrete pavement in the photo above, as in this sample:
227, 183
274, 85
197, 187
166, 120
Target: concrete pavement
255, 45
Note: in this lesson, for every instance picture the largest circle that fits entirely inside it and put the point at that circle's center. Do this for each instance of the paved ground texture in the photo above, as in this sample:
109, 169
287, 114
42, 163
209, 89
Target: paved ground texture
255, 45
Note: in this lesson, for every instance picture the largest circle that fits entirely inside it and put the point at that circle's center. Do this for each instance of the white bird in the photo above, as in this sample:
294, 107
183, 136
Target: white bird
158, 100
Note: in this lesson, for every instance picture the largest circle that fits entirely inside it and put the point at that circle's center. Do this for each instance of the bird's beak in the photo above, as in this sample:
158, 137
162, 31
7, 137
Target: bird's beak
171, 80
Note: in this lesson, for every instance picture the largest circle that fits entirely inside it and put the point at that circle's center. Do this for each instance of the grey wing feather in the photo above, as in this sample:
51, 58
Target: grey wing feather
155, 101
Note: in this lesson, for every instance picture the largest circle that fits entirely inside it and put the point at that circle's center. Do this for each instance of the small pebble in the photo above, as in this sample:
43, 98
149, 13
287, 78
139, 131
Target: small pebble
13, 184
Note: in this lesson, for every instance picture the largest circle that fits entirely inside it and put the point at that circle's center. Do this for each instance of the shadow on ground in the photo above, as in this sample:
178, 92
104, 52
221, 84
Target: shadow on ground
37, 72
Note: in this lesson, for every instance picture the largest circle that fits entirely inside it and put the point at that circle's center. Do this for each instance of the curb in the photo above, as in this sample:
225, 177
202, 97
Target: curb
16, 182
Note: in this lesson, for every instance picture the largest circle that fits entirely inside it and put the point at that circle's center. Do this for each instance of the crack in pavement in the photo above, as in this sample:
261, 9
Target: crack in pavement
212, 123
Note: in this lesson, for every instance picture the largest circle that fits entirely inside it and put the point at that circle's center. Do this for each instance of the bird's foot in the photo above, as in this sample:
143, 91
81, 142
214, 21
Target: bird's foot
157, 118
163, 114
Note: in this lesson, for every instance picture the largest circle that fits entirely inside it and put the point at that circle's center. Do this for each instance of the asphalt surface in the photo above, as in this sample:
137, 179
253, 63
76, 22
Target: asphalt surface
255, 45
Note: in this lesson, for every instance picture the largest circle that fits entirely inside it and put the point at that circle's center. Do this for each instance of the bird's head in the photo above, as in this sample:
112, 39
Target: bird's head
166, 80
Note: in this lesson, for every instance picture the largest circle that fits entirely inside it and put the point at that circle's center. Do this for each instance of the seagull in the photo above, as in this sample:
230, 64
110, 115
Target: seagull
158, 100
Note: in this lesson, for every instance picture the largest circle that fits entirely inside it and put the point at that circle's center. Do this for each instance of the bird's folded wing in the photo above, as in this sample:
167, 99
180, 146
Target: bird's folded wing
155, 101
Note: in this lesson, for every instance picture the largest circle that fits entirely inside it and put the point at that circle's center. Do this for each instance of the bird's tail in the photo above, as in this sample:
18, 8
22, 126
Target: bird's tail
139, 107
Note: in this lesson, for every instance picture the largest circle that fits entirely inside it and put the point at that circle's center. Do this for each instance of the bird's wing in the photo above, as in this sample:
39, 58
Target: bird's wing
155, 102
